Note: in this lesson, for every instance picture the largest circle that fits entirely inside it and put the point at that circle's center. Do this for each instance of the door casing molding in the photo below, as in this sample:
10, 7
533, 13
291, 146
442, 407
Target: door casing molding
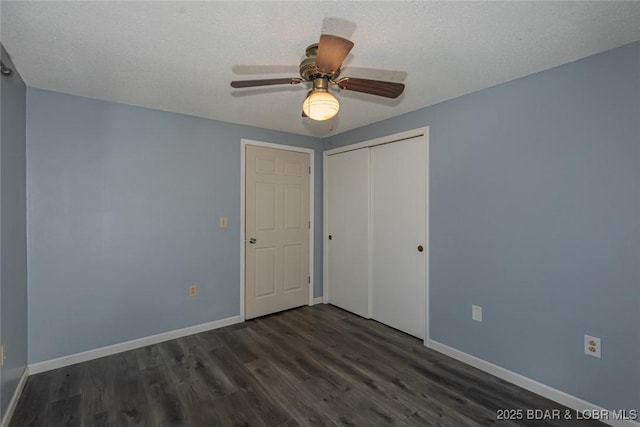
310, 151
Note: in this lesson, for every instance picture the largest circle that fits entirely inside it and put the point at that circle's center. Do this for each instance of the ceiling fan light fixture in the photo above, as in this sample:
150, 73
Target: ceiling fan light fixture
321, 66
320, 105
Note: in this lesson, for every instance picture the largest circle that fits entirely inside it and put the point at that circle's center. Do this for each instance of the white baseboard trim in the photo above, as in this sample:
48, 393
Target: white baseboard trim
529, 384
318, 300
6, 419
84, 356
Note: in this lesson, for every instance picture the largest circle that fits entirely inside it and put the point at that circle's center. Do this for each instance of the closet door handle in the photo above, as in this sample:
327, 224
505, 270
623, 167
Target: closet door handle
252, 240
420, 248
330, 237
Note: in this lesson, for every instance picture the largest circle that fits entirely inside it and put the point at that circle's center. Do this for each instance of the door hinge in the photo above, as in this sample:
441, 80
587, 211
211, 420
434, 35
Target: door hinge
309, 279
309, 224
309, 170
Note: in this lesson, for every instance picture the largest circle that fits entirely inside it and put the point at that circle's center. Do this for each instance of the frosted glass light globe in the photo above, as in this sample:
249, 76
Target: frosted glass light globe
320, 105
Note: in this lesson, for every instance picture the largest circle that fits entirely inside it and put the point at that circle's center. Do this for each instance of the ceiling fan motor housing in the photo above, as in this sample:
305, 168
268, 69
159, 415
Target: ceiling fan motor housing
308, 68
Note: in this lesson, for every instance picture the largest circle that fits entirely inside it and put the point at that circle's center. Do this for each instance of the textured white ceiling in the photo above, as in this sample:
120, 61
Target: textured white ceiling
180, 56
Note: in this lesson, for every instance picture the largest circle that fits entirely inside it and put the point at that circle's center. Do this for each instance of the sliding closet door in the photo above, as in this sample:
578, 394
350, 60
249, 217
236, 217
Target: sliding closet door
398, 215
348, 230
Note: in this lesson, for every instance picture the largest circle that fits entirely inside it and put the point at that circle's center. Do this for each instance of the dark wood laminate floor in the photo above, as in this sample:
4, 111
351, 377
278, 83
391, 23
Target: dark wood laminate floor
312, 366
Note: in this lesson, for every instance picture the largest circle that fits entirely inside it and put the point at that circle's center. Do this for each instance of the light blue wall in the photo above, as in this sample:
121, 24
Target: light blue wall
535, 216
13, 237
123, 216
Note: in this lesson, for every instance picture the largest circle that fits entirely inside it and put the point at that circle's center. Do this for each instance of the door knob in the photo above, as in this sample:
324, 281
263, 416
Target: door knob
330, 237
420, 248
252, 240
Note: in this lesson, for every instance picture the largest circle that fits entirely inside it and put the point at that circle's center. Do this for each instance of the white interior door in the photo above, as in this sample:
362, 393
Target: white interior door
398, 215
348, 230
276, 230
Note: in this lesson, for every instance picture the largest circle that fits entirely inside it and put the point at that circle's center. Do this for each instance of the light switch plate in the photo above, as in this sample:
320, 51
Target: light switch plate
476, 313
223, 222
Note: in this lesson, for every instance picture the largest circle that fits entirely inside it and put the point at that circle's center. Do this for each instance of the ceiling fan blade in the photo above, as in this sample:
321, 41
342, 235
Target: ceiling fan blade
374, 87
265, 69
332, 50
265, 82
373, 73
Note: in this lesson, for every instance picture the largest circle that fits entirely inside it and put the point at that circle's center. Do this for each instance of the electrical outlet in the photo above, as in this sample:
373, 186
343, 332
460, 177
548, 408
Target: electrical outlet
592, 346
476, 313
193, 290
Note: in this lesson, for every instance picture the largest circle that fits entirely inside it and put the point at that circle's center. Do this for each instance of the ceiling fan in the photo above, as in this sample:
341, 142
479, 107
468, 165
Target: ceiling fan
322, 68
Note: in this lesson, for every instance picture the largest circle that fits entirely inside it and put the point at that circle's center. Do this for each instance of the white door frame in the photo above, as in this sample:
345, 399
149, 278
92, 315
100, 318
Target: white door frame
244, 143
419, 132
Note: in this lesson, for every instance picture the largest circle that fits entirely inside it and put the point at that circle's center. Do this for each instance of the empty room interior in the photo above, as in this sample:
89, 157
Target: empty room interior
260, 213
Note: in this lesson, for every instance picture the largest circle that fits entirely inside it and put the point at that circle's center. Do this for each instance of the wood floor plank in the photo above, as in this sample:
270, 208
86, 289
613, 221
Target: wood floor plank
259, 325
365, 411
340, 366
302, 407
430, 397
31, 409
415, 390
421, 391
164, 402
211, 375
98, 394
268, 409
65, 412
67, 382
234, 410
442, 418
210, 340
130, 403
238, 345
101, 419
194, 371
185, 374
172, 352
311, 366
130, 400
124, 366
290, 423
198, 412
148, 357
276, 350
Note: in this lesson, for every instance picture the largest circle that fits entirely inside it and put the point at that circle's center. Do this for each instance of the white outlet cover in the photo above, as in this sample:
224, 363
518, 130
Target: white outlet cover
476, 313
592, 346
